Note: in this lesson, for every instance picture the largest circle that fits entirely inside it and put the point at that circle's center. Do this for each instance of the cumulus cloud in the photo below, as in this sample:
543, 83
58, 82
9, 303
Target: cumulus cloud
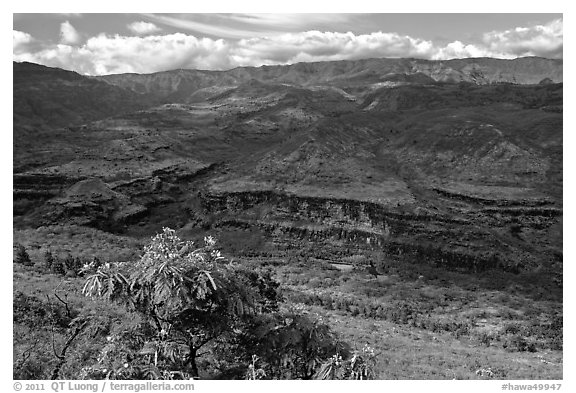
541, 40
459, 50
106, 54
68, 34
117, 54
143, 28
114, 54
323, 46
20, 41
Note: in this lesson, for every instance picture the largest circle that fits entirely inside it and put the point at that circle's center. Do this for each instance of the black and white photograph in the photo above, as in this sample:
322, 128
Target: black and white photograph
287, 196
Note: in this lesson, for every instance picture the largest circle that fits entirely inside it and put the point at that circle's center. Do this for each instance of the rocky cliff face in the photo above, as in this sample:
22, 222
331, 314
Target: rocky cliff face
472, 239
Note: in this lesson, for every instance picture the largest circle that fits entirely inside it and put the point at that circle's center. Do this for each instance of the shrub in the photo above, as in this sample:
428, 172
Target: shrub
22, 256
461, 329
361, 366
292, 344
58, 267
520, 344
48, 260
69, 263
512, 328
486, 339
96, 263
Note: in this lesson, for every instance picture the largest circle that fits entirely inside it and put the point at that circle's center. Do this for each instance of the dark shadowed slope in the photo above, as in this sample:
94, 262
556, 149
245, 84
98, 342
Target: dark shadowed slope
45, 96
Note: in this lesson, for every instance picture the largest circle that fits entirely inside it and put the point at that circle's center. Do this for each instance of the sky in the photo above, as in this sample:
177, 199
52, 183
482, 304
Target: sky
97, 44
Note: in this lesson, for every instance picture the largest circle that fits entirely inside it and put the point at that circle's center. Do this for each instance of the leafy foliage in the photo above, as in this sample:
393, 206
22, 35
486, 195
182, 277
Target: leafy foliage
292, 344
360, 366
187, 297
253, 372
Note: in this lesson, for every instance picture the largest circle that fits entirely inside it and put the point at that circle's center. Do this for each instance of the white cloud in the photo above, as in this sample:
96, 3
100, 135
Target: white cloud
458, 50
286, 20
105, 54
540, 40
20, 40
218, 27
117, 54
237, 26
68, 34
143, 28
320, 46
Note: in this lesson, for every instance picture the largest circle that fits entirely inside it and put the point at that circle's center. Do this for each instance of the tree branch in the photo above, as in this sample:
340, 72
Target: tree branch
62, 355
68, 314
52, 326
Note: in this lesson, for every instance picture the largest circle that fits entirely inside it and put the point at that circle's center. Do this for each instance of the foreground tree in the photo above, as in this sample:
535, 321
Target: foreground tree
185, 299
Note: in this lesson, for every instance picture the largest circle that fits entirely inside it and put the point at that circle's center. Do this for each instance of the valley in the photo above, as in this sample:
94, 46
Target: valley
447, 176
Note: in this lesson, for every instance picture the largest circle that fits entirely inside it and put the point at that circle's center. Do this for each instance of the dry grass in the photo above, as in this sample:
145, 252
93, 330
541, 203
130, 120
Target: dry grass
410, 353
78, 241
436, 327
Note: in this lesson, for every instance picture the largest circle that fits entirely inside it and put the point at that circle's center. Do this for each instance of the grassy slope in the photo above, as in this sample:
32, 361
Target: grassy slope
410, 353
427, 346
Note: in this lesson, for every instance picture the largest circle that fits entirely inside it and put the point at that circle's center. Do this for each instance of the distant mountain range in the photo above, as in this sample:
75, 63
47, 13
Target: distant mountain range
72, 98
180, 85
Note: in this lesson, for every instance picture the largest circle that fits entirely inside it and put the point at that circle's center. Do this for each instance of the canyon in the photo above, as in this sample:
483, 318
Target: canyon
457, 163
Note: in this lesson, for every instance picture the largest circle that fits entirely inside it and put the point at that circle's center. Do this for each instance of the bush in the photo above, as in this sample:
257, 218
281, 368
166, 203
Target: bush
22, 256
69, 263
512, 328
292, 344
360, 366
486, 339
58, 267
48, 260
520, 344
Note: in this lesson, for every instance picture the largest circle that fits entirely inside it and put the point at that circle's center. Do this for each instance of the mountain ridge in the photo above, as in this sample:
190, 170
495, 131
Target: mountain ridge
347, 74
50, 96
